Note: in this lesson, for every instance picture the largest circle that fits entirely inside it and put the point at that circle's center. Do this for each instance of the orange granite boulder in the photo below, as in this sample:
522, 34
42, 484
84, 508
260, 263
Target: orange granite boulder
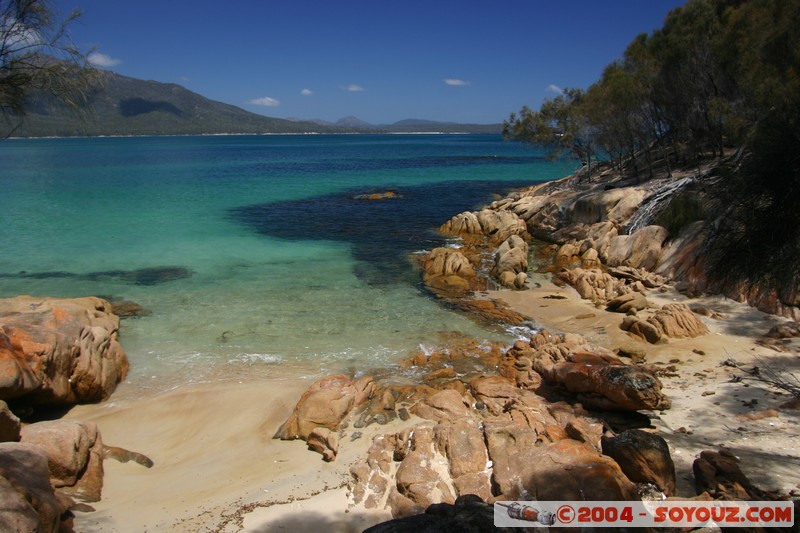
59, 351
325, 404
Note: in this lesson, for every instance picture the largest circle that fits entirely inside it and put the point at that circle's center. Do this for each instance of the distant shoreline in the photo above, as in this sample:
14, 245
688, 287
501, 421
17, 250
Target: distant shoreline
267, 134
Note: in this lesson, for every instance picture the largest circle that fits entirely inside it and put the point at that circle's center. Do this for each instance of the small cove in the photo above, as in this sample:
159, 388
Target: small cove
272, 261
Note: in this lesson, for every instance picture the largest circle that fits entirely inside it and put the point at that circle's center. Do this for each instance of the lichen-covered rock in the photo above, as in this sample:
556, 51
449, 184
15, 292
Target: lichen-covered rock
610, 387
417, 477
59, 351
641, 328
448, 261
568, 255
462, 443
562, 470
598, 380
594, 285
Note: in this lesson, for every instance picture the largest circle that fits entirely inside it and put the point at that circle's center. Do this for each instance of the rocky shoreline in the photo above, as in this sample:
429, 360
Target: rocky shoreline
553, 399
607, 396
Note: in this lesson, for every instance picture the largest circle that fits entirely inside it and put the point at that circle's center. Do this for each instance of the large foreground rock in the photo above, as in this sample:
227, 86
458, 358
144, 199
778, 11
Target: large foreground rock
28, 501
74, 452
59, 351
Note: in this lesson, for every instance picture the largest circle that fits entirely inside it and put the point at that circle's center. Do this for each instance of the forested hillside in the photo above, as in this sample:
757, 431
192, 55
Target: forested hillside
119, 105
720, 79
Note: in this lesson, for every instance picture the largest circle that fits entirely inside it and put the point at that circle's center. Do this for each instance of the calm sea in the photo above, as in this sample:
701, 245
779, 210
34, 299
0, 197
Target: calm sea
252, 253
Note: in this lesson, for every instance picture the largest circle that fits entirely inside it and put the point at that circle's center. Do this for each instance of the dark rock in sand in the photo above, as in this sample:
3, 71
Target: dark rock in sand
785, 330
718, 474
468, 514
644, 457
599, 381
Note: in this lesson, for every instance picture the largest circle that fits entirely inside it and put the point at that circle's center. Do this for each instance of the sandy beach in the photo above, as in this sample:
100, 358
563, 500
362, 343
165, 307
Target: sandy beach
217, 467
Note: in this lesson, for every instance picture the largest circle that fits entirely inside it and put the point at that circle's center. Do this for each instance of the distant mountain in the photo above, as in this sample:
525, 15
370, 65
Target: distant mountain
353, 122
415, 124
410, 125
127, 106
120, 105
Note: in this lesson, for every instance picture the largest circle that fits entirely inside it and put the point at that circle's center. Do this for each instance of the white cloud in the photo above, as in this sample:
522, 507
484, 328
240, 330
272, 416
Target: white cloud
554, 89
102, 60
306, 92
265, 101
353, 88
455, 82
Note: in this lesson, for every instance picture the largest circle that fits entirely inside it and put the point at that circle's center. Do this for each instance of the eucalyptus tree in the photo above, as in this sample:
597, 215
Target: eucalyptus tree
759, 238
560, 126
37, 57
614, 106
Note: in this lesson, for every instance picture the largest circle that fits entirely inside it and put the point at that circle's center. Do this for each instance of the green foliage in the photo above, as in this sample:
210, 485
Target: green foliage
36, 56
758, 239
719, 74
560, 126
683, 209
699, 84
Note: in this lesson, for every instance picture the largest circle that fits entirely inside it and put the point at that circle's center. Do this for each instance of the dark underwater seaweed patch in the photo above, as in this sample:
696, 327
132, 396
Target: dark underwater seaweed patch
382, 233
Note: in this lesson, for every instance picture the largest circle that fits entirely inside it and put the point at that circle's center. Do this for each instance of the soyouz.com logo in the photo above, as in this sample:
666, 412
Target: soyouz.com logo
672, 513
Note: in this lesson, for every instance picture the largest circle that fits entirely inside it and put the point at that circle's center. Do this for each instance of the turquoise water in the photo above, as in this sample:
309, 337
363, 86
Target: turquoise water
281, 264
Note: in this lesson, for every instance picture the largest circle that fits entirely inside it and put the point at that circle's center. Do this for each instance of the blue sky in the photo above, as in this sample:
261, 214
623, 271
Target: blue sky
460, 61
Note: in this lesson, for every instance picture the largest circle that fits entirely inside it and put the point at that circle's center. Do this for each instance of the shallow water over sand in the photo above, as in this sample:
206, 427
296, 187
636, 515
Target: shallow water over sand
272, 260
